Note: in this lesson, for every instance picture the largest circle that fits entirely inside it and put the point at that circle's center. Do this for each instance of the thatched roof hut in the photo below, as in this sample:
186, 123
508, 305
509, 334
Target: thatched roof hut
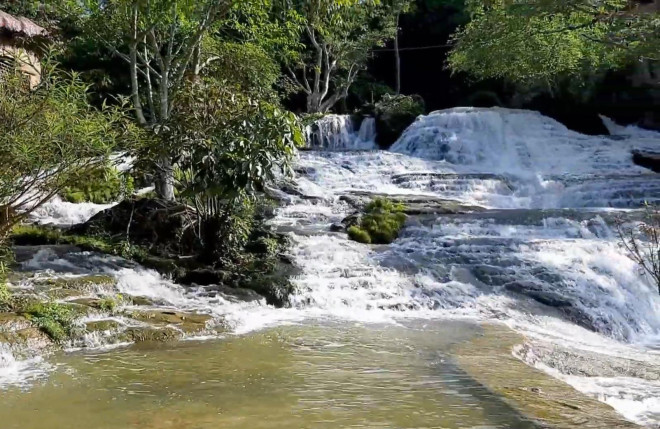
21, 41
20, 26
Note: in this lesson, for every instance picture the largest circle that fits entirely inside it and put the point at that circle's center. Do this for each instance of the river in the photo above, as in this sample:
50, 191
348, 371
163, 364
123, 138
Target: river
368, 339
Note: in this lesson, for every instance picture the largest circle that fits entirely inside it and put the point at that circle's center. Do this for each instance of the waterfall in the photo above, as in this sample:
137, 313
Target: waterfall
534, 249
543, 258
338, 132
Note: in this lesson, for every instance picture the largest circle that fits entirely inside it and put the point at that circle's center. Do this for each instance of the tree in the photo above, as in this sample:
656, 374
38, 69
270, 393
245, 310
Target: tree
231, 146
641, 240
332, 43
160, 41
49, 138
539, 40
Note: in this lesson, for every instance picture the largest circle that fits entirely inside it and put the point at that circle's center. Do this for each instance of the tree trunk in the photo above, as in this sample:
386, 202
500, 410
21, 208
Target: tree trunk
164, 182
397, 57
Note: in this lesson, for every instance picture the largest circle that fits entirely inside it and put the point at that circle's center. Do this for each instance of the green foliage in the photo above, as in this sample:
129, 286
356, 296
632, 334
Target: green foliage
330, 43
245, 66
395, 113
358, 234
400, 105
102, 185
52, 136
109, 303
227, 147
55, 320
381, 223
539, 40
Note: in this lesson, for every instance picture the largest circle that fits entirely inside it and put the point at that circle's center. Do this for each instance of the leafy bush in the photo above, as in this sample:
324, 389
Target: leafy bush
100, 186
395, 113
228, 146
55, 320
381, 223
54, 137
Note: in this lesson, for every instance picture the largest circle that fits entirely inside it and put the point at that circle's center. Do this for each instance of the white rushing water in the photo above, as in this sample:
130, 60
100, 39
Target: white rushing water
543, 259
340, 132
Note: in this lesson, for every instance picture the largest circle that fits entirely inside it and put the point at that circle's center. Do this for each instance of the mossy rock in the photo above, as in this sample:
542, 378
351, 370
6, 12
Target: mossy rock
67, 287
102, 326
31, 340
381, 223
187, 322
79, 309
150, 334
13, 322
142, 301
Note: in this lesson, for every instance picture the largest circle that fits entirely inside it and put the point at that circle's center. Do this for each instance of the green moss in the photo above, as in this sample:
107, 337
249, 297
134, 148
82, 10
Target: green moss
110, 303
54, 319
103, 185
34, 235
381, 223
358, 234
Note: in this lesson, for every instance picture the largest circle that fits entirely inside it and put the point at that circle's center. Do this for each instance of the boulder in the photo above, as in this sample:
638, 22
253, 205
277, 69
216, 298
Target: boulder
650, 160
146, 221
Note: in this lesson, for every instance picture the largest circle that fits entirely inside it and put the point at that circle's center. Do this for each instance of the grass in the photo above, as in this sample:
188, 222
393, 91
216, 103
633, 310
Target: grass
381, 223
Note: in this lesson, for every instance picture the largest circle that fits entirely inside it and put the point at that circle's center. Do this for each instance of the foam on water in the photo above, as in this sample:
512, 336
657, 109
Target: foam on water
61, 213
14, 372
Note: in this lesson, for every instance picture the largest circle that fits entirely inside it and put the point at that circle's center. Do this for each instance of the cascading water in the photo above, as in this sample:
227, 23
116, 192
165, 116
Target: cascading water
543, 258
339, 132
536, 250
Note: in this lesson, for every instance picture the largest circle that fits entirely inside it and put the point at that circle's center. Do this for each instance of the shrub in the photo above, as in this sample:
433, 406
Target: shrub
381, 223
53, 136
358, 234
55, 320
395, 113
100, 186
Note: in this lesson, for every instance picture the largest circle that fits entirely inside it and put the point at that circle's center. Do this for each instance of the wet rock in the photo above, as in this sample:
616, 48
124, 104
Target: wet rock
140, 300
233, 294
186, 322
337, 227
149, 334
102, 325
67, 287
352, 220
13, 322
414, 204
536, 292
646, 159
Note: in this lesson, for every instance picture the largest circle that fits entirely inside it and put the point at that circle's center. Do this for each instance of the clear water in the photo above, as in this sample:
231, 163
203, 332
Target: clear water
329, 376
